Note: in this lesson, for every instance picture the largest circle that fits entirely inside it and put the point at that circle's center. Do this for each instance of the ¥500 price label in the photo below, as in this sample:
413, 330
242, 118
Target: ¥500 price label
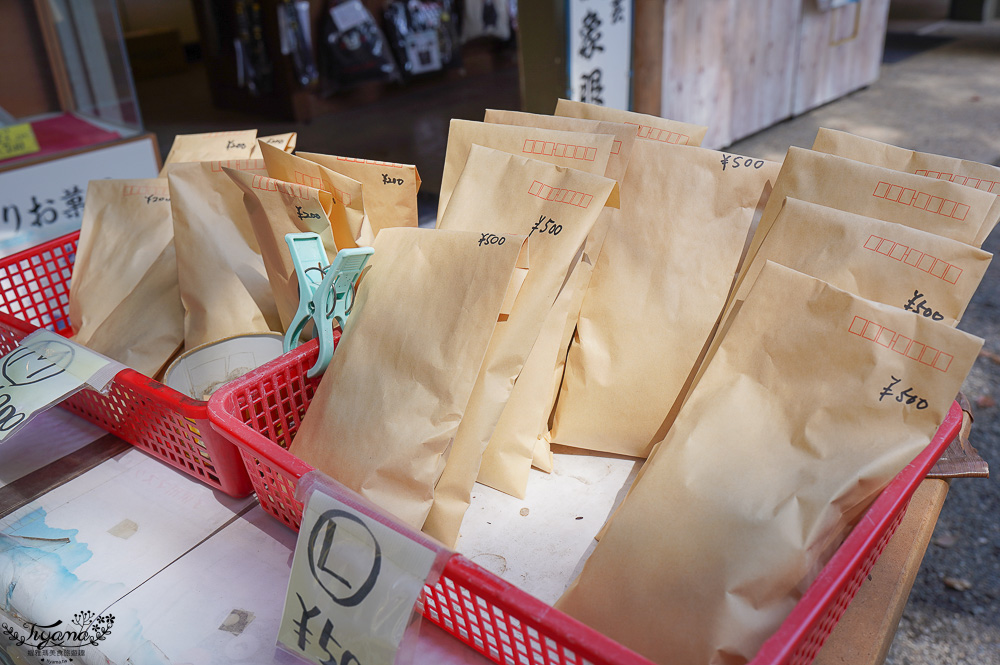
17, 140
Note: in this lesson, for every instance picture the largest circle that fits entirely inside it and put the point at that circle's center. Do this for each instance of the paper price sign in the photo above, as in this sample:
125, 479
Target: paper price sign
17, 140
353, 587
43, 370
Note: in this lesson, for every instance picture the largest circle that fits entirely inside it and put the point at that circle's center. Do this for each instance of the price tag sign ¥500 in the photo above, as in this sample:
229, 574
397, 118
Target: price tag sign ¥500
17, 140
43, 370
353, 587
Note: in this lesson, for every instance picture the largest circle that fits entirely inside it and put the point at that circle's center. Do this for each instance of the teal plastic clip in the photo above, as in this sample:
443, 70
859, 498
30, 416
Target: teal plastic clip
326, 291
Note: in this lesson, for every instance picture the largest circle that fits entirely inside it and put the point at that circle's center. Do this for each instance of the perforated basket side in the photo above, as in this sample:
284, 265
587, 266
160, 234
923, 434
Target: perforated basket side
511, 627
500, 621
260, 414
34, 283
804, 631
34, 293
807, 650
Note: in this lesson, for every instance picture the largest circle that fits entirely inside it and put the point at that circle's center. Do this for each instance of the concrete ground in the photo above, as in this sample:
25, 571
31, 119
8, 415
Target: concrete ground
943, 100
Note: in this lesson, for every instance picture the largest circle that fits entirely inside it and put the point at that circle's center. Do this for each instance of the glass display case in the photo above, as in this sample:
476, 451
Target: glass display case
68, 114
74, 88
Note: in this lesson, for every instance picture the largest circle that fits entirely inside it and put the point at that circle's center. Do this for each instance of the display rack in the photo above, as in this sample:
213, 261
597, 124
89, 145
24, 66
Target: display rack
288, 99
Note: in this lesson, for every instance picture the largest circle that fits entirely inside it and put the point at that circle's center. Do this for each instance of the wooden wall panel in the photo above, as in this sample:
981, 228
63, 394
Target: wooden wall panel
832, 63
729, 64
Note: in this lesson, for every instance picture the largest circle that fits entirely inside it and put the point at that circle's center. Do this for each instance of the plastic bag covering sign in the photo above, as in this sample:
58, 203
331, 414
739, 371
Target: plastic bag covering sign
17, 140
353, 587
600, 52
43, 370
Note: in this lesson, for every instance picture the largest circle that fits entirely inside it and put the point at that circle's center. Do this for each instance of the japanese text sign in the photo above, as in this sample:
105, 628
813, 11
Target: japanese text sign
600, 52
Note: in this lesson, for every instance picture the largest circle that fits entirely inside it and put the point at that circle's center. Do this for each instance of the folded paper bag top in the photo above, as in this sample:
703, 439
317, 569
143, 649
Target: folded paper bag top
984, 177
391, 188
918, 271
351, 225
576, 150
937, 206
390, 402
800, 419
556, 208
650, 127
276, 208
220, 271
621, 149
286, 142
212, 146
921, 272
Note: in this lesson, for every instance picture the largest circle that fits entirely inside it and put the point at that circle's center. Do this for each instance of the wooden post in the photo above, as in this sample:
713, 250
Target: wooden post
46, 23
541, 53
647, 56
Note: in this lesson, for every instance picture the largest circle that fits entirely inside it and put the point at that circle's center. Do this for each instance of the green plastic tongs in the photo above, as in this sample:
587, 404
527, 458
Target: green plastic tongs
326, 292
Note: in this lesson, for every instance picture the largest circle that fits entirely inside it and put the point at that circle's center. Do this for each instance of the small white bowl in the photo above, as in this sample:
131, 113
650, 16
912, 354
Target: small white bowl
199, 372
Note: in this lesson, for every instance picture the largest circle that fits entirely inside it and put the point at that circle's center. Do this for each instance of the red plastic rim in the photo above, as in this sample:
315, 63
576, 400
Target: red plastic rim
259, 413
34, 293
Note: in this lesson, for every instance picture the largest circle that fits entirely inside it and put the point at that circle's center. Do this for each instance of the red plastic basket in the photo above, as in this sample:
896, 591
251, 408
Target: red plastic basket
34, 293
261, 411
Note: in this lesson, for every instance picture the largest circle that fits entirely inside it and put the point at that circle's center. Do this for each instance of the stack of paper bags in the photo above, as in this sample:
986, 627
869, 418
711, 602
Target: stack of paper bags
168, 262
793, 428
426, 338
828, 375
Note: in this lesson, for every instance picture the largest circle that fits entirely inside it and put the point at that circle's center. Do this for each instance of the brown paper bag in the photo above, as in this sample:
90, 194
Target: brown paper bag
585, 152
650, 127
284, 142
391, 189
146, 330
351, 227
656, 294
937, 206
556, 208
557, 332
391, 400
276, 208
124, 262
212, 146
223, 283
816, 399
921, 272
621, 149
888, 263
126, 225
983, 177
